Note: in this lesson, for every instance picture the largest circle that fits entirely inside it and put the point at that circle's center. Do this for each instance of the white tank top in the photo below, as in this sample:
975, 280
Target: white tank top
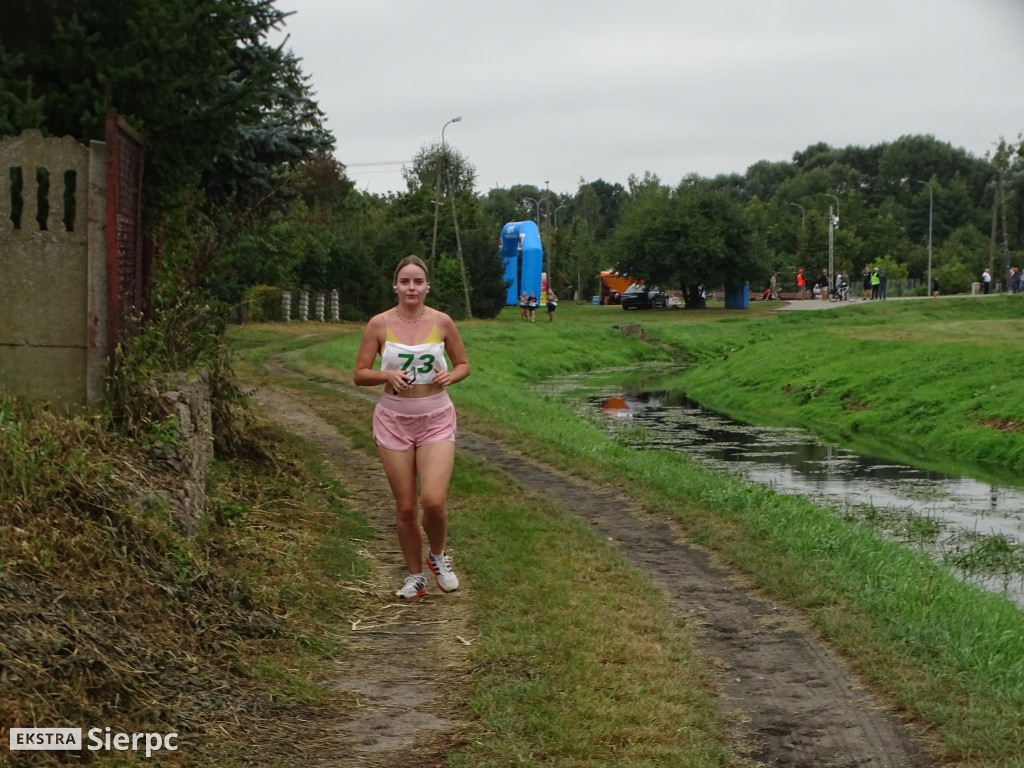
421, 360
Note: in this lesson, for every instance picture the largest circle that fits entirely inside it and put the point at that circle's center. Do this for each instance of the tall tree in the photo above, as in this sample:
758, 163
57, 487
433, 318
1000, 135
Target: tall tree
688, 239
216, 104
446, 169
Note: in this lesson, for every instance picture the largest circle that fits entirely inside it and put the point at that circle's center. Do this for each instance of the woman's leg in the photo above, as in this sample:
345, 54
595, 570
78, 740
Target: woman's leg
434, 463
400, 469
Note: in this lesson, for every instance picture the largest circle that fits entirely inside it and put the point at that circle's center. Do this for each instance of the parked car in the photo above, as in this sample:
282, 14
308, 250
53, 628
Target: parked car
638, 296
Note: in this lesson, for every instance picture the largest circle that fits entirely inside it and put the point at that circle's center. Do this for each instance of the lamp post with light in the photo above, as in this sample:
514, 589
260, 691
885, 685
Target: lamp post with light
803, 216
455, 219
554, 237
563, 205
547, 200
832, 222
437, 203
536, 209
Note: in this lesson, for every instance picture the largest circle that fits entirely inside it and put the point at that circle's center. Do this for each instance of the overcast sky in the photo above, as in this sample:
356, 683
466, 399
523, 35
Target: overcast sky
562, 90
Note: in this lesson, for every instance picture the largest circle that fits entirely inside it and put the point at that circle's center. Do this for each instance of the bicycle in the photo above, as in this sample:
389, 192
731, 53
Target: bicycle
840, 294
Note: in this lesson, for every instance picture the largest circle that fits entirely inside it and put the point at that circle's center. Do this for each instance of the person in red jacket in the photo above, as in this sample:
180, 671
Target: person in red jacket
800, 282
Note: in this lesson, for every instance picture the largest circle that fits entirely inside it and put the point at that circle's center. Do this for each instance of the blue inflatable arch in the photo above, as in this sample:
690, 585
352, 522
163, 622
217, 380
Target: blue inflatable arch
522, 272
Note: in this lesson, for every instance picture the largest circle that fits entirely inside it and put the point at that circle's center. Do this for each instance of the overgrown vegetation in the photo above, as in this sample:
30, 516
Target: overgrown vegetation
110, 616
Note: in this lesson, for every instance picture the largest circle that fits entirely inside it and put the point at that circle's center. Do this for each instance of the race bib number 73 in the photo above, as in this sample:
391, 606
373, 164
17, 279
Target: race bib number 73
409, 363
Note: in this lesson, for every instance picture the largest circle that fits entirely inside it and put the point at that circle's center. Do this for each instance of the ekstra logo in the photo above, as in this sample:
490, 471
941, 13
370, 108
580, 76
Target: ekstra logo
46, 738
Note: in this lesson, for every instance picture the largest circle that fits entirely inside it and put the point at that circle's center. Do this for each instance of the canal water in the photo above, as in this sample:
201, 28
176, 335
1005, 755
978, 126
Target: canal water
974, 527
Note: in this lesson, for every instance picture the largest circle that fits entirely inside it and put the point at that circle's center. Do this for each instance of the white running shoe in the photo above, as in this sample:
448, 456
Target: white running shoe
415, 586
447, 581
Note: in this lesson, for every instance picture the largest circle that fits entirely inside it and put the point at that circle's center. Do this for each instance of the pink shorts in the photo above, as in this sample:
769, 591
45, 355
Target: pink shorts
401, 423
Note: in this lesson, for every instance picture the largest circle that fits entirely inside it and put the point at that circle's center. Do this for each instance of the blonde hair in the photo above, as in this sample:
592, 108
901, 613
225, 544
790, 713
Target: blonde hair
415, 261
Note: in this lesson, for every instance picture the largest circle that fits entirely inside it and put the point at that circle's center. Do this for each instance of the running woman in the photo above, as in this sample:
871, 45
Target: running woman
414, 420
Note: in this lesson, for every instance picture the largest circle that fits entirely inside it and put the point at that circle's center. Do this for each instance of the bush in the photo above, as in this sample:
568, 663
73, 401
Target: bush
261, 303
954, 277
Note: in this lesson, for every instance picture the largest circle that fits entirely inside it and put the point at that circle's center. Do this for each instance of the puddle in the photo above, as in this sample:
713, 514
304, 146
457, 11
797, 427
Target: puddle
974, 527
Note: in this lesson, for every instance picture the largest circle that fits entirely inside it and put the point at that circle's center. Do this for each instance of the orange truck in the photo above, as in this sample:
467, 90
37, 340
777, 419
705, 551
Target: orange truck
613, 284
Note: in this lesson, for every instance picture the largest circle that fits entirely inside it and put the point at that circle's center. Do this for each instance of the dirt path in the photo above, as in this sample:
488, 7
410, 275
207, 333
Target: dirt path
403, 659
794, 702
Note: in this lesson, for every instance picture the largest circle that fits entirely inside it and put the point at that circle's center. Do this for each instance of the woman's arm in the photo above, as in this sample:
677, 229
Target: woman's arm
456, 353
365, 375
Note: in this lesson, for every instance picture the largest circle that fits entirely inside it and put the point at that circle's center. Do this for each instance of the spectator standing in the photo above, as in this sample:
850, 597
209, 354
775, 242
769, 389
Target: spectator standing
823, 284
882, 280
876, 281
986, 282
801, 284
772, 285
866, 283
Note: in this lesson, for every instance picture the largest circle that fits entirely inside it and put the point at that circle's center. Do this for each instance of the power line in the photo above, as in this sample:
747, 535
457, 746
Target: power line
382, 162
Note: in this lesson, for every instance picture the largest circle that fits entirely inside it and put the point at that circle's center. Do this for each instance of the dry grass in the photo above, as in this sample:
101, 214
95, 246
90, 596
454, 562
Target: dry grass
110, 616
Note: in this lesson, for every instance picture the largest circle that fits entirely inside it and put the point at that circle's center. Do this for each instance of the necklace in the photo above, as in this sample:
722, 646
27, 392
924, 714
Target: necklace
416, 319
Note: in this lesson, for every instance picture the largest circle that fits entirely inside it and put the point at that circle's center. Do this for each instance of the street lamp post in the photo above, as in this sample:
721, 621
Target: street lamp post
832, 221
547, 251
931, 208
554, 236
437, 203
536, 209
803, 216
555, 219
547, 200
455, 219
536, 218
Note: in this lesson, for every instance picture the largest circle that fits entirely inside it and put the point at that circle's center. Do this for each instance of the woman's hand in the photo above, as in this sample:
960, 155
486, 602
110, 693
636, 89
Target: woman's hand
400, 381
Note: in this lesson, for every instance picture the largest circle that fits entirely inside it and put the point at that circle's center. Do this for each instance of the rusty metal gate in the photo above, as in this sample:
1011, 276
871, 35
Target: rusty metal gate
127, 257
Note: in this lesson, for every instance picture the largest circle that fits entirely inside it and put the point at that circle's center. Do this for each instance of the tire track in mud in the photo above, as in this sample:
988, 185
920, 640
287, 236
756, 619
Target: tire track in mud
792, 701
795, 702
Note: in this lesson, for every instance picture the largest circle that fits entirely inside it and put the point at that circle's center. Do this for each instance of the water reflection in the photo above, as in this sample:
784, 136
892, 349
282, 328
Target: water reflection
961, 512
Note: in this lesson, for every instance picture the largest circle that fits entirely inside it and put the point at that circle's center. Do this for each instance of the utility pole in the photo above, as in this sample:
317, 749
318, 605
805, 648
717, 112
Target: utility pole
1006, 237
831, 251
997, 196
458, 245
832, 222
